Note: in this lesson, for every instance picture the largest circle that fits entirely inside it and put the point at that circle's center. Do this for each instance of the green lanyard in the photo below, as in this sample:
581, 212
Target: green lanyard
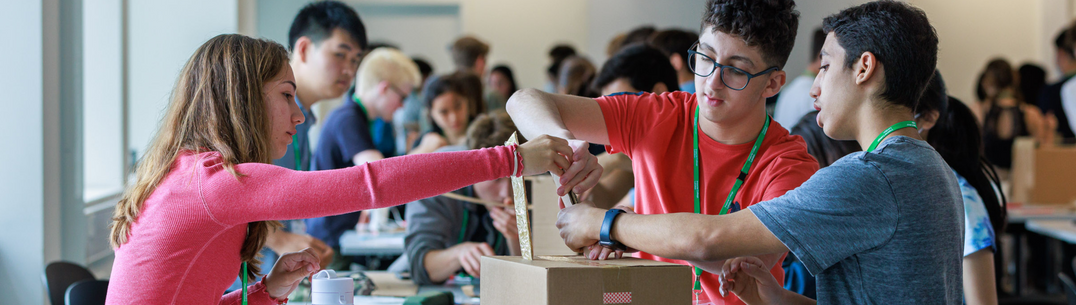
463, 235
735, 187
891, 129
244, 277
298, 153
369, 122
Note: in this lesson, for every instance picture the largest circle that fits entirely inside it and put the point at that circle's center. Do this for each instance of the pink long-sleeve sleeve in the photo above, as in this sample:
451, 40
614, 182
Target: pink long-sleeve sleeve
269, 192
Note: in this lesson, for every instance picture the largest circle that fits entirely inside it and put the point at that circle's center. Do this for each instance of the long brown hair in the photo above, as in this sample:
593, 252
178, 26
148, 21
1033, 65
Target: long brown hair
217, 105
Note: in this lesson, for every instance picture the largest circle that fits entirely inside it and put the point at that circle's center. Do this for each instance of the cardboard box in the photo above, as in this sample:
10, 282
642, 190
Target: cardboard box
1042, 175
545, 237
577, 280
1055, 172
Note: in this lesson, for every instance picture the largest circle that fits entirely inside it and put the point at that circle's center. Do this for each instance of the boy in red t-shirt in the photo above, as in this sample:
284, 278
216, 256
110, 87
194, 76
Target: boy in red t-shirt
737, 62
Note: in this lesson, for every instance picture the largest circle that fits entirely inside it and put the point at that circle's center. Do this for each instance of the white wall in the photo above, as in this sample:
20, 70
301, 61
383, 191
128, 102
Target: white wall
162, 36
23, 252
608, 18
971, 32
103, 95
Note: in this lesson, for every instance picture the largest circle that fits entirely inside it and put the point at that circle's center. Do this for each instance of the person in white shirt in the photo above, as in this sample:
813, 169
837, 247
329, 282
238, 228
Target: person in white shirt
795, 99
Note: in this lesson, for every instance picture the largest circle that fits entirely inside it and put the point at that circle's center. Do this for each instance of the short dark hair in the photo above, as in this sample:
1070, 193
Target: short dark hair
424, 67
558, 53
1062, 42
769, 25
639, 34
466, 51
674, 41
643, 65
818, 38
901, 39
317, 21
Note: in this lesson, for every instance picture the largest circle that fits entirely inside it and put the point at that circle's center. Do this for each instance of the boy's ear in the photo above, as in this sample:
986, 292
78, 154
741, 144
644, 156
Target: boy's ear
866, 66
677, 62
303, 47
776, 81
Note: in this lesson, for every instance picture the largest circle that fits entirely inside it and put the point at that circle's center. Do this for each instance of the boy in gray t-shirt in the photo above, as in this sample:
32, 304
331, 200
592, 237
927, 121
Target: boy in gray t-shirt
883, 226
872, 224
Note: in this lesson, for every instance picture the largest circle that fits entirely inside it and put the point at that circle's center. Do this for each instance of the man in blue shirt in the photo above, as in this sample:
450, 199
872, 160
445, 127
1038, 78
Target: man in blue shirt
325, 41
360, 130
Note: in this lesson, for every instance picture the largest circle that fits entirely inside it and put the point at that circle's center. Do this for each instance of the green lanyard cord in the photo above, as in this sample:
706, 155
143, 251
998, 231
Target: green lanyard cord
298, 153
735, 187
463, 230
891, 129
369, 122
244, 277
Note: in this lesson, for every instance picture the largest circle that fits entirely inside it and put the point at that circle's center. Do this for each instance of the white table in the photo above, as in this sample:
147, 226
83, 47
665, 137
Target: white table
353, 243
1029, 212
1063, 230
1034, 217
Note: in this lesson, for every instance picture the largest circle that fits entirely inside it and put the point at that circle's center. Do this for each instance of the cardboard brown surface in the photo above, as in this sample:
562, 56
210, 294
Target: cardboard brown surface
388, 285
1055, 174
576, 280
545, 237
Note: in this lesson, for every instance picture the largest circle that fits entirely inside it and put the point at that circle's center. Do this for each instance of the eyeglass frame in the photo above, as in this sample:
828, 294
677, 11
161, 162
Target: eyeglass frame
691, 52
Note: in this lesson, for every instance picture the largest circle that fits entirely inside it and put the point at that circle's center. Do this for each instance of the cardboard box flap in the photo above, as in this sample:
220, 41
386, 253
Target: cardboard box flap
576, 261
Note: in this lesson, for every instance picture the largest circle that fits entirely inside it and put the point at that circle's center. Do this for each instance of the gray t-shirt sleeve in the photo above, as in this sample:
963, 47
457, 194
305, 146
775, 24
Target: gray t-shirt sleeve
432, 224
844, 209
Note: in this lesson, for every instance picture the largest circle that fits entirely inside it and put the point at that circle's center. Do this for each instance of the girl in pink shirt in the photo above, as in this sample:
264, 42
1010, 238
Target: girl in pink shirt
206, 194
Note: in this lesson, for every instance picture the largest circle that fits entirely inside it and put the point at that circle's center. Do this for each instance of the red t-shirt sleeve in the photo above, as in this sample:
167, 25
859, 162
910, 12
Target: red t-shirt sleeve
788, 172
631, 117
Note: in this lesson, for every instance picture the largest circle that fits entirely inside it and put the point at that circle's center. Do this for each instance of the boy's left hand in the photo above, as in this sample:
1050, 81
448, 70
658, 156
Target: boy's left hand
579, 225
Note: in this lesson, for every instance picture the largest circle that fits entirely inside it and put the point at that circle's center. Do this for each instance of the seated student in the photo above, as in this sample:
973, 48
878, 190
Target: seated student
446, 235
360, 131
858, 225
575, 76
206, 196
502, 83
634, 69
469, 54
639, 34
1006, 115
557, 55
795, 100
956, 137
449, 110
752, 41
409, 119
675, 43
1049, 100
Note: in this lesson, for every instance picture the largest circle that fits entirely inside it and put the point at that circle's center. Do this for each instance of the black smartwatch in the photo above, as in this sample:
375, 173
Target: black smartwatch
607, 228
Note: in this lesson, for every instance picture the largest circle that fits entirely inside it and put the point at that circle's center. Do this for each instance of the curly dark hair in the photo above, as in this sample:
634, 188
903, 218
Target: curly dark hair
900, 37
769, 25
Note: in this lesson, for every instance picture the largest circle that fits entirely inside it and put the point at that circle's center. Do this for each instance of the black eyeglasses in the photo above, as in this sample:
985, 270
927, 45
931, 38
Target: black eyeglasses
733, 77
